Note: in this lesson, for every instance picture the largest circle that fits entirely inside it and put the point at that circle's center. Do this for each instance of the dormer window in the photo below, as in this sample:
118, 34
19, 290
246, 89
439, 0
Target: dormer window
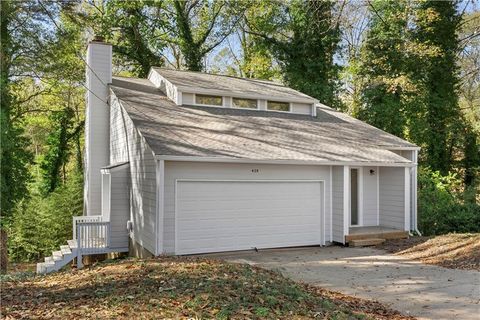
208, 100
244, 103
278, 106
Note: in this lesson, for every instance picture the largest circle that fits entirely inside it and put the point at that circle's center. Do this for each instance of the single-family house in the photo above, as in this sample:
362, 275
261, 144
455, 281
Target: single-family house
187, 163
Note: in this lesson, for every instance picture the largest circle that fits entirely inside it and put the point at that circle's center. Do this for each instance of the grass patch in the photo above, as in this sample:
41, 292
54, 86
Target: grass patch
177, 288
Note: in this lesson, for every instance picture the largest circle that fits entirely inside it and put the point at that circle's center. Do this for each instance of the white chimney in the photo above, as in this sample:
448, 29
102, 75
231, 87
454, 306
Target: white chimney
97, 122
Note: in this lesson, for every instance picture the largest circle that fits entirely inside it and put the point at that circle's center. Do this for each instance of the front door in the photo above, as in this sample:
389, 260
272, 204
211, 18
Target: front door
354, 187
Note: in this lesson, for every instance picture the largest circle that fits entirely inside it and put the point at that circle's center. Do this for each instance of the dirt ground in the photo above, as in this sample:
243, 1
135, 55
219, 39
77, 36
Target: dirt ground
455, 251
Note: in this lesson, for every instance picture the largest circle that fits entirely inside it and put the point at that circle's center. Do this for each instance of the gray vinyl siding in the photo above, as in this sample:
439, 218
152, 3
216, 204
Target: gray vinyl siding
302, 108
392, 197
230, 171
370, 195
337, 204
126, 144
188, 98
407, 154
119, 207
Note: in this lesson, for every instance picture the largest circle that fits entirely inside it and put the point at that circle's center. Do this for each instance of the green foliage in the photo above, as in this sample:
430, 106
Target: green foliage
303, 38
15, 156
441, 205
437, 25
384, 69
408, 76
57, 149
136, 30
41, 224
201, 26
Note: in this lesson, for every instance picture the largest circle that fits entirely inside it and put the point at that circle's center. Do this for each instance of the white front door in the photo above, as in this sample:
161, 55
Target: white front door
215, 216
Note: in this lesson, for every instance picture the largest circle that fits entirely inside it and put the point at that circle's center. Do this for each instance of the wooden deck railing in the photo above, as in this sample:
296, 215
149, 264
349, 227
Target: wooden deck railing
79, 219
93, 237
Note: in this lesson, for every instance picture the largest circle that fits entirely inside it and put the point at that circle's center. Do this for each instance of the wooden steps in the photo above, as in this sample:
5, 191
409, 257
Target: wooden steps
378, 235
365, 242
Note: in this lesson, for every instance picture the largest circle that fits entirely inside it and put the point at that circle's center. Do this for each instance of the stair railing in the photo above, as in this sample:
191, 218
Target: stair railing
83, 219
92, 236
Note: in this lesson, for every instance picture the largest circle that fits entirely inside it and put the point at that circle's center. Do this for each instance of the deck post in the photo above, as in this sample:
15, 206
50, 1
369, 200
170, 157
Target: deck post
346, 201
407, 199
79, 248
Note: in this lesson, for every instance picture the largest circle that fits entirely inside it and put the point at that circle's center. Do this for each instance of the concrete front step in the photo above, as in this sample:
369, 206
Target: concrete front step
365, 242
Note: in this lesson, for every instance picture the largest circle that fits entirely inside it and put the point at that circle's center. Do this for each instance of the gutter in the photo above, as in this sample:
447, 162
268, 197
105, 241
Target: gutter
282, 161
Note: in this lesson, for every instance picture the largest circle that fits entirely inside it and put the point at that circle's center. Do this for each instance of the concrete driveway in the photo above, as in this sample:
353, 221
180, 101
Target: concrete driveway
413, 288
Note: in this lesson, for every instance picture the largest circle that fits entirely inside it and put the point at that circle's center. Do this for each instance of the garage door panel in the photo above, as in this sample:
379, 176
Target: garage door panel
213, 216
242, 203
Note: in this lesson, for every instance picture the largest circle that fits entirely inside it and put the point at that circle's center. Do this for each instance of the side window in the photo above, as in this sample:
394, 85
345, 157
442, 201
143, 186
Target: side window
244, 103
208, 100
278, 106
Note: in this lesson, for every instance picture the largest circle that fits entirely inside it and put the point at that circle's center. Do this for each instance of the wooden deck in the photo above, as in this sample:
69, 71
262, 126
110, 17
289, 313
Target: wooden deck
375, 232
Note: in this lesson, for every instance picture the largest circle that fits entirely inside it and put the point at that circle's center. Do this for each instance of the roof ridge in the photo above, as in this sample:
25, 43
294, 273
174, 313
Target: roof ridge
228, 76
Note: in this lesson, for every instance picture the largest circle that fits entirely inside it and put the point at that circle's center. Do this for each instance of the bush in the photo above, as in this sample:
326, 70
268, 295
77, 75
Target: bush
441, 207
40, 225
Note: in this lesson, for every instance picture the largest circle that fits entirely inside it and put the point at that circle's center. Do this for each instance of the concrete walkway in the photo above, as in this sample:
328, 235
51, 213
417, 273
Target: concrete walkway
413, 288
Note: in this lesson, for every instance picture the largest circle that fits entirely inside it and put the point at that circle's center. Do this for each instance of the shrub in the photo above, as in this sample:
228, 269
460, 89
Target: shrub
40, 225
441, 207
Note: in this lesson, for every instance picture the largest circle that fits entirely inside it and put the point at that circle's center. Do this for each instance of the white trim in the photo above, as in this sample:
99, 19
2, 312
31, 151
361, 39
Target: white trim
322, 183
407, 199
415, 191
179, 96
400, 148
346, 198
269, 161
378, 196
115, 168
159, 248
331, 203
106, 197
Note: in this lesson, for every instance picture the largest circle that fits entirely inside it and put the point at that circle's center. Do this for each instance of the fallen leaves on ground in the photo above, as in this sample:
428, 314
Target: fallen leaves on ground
454, 250
173, 287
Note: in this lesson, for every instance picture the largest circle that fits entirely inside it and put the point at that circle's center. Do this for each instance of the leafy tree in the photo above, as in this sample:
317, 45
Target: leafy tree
14, 155
200, 27
386, 86
303, 37
437, 24
137, 31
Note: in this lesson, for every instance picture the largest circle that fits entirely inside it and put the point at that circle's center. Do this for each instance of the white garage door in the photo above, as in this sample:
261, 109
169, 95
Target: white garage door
215, 216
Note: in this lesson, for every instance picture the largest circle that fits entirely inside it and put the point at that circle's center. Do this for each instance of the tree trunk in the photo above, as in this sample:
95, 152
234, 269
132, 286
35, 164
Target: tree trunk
3, 251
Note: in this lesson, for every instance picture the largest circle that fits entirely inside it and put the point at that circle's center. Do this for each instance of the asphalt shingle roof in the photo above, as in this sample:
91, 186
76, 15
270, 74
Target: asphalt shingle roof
249, 134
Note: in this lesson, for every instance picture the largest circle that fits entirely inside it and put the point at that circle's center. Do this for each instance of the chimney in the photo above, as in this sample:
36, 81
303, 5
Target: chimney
97, 122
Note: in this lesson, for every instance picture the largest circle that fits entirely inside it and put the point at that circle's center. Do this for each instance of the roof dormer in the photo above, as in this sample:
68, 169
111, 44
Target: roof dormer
209, 90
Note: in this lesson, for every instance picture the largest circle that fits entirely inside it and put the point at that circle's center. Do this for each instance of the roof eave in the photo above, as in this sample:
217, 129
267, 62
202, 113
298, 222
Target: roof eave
284, 161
